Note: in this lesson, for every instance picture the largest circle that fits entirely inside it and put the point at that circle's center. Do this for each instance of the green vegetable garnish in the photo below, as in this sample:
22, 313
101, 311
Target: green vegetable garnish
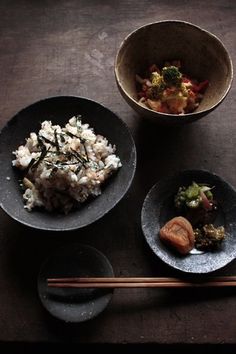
194, 196
172, 76
192, 192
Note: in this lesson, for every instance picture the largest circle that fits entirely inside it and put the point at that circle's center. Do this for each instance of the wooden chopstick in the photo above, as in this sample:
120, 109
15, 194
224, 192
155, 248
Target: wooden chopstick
140, 282
132, 279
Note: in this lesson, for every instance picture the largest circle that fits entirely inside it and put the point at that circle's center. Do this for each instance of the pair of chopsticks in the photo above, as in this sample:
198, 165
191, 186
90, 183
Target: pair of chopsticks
143, 282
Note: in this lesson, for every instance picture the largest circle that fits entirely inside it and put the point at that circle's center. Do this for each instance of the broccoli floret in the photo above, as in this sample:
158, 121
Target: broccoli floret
172, 76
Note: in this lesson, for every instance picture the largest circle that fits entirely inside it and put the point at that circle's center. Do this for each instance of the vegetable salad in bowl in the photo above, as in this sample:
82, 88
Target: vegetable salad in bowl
168, 90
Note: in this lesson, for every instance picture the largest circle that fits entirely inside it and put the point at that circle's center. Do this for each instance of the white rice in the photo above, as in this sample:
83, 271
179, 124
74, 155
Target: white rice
64, 166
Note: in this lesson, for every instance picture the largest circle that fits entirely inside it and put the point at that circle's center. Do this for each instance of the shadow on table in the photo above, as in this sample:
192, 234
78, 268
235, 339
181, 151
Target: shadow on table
36, 348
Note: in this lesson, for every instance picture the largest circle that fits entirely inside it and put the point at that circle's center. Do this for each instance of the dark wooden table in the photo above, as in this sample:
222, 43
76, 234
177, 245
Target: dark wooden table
68, 48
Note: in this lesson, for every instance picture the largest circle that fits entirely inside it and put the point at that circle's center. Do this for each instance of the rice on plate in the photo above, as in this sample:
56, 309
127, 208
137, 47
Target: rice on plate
63, 166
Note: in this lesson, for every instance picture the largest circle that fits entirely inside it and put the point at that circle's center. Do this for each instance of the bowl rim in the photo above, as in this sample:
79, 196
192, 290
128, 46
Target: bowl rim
97, 303
101, 215
167, 115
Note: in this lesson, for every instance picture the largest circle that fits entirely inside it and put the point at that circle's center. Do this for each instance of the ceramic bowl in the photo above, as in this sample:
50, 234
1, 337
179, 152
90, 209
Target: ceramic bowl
158, 208
202, 55
69, 304
59, 110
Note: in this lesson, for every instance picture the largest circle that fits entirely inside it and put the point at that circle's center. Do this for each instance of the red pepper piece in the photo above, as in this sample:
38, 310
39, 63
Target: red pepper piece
142, 94
201, 86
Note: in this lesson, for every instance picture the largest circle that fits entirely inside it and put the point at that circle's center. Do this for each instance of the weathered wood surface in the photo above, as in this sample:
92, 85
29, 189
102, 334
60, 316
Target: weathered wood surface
68, 47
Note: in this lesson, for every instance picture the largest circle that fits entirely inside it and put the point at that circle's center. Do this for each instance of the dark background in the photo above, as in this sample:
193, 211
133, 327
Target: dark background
50, 48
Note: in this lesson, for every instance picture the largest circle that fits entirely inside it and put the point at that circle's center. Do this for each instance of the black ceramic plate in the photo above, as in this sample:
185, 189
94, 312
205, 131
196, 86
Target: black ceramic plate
59, 110
75, 305
158, 208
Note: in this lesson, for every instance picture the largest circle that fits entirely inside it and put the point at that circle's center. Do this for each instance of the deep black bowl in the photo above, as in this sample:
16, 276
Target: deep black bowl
59, 110
158, 208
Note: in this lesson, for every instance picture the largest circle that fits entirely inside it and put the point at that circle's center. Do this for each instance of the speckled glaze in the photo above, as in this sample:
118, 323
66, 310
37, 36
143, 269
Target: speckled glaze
202, 54
74, 305
59, 110
158, 208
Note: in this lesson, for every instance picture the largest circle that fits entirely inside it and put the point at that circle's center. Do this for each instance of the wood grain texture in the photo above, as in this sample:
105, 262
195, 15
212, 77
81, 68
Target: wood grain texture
68, 47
